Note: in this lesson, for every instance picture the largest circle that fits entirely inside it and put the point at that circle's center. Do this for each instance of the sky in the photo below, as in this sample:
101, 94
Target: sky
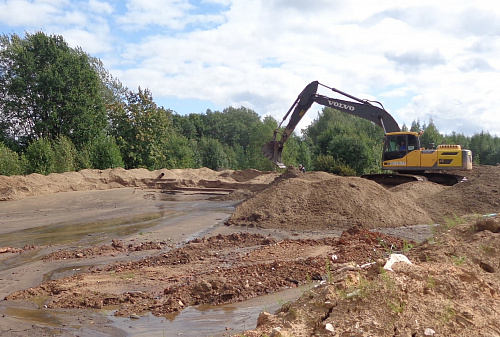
423, 60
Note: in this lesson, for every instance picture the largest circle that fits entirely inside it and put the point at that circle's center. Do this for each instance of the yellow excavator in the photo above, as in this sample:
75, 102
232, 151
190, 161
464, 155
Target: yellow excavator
402, 153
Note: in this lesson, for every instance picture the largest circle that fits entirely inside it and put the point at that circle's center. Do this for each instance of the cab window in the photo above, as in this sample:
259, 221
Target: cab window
413, 143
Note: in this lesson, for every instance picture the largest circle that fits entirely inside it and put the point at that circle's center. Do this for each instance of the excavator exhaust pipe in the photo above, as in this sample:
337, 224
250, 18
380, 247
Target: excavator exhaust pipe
272, 150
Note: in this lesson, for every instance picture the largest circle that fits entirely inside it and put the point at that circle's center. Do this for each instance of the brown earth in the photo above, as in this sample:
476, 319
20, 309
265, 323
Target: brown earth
284, 235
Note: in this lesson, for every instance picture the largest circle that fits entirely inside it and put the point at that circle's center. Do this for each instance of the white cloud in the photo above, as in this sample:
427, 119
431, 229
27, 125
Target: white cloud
101, 7
28, 13
422, 59
142, 14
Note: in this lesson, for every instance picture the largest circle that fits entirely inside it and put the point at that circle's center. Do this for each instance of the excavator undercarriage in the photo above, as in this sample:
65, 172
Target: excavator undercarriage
393, 179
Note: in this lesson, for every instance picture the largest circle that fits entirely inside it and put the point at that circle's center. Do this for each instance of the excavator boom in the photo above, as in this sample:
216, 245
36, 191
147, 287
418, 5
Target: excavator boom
358, 107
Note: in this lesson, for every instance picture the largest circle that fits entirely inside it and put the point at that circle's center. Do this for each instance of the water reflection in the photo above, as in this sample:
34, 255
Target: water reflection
206, 320
73, 232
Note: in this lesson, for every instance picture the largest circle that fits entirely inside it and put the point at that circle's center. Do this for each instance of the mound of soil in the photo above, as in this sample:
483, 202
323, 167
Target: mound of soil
317, 200
480, 195
452, 288
20, 187
418, 190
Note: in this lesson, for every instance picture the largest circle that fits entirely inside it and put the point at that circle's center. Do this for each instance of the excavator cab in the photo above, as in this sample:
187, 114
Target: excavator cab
399, 144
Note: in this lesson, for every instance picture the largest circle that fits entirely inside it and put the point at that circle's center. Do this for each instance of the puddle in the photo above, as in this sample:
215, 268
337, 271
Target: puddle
44, 317
189, 217
90, 233
208, 320
19, 260
64, 272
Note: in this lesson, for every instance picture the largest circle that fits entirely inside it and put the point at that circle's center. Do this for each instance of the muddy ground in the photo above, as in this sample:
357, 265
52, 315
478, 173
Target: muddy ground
333, 234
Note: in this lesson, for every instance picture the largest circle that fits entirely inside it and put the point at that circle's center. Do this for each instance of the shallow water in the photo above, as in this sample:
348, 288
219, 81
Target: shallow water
182, 217
89, 233
208, 320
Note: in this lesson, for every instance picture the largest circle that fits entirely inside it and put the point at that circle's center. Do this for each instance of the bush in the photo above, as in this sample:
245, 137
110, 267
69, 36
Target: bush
65, 155
10, 163
104, 153
329, 164
40, 157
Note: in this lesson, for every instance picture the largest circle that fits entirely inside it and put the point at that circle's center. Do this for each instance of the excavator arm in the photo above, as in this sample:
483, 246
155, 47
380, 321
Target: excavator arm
308, 96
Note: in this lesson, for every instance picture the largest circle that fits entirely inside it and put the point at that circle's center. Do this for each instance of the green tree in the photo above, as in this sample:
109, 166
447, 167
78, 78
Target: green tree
239, 130
261, 134
104, 153
351, 141
48, 89
212, 154
415, 126
65, 154
485, 149
354, 151
290, 152
112, 90
457, 139
431, 136
40, 157
10, 163
304, 155
142, 130
181, 153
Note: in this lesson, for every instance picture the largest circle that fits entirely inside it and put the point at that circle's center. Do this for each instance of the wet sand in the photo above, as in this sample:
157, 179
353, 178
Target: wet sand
80, 219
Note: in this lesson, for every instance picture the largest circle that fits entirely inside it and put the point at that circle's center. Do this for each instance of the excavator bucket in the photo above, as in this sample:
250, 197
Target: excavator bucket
272, 150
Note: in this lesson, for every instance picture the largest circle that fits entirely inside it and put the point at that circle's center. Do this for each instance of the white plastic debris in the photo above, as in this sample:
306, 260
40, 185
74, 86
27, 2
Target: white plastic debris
329, 327
276, 332
367, 265
355, 293
429, 332
394, 258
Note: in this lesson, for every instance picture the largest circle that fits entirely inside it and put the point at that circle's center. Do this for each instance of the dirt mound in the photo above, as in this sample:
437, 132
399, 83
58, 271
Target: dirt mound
319, 200
20, 187
479, 194
418, 190
452, 288
117, 246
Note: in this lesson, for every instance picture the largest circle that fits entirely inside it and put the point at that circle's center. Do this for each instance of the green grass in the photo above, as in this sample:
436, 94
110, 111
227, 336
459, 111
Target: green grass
458, 261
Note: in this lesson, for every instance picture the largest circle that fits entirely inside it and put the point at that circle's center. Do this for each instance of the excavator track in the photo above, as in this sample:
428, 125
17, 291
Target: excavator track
444, 178
393, 179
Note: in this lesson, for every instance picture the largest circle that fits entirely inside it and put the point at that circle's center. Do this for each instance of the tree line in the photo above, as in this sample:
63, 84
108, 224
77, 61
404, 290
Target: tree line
61, 110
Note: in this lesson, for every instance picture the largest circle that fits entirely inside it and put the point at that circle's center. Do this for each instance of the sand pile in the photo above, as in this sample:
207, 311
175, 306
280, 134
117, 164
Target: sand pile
20, 187
318, 200
480, 194
292, 200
